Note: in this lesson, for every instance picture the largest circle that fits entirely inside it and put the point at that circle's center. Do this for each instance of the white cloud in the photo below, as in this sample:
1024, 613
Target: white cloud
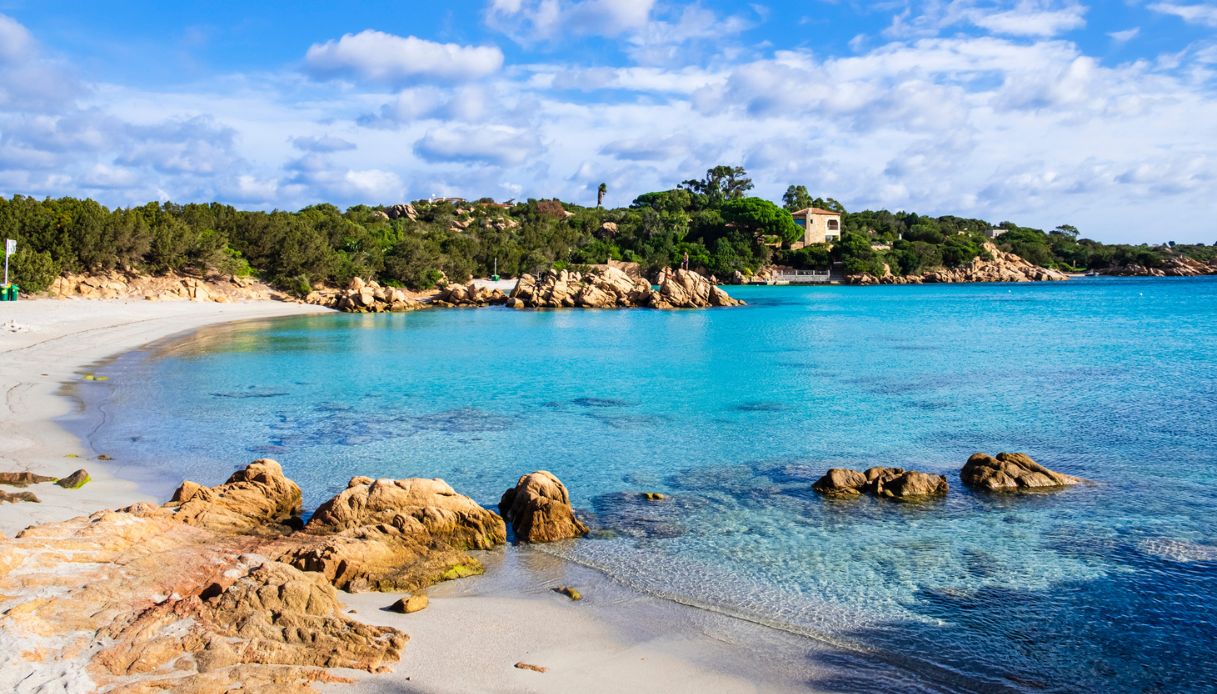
1204, 14
322, 143
375, 56
15, 41
1037, 18
496, 145
530, 20
1032, 19
1126, 35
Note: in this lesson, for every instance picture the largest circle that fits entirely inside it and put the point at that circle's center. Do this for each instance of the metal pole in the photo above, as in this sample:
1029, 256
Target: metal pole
6, 265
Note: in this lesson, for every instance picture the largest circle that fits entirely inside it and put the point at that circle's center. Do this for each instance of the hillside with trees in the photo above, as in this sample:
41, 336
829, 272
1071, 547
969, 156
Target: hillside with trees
713, 220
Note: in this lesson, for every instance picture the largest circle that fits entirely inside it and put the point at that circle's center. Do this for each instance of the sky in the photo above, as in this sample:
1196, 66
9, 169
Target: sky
1043, 112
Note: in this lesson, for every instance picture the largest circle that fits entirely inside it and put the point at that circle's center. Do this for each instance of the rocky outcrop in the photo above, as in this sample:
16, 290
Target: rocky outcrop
1000, 266
168, 287
401, 211
1175, 266
23, 479
882, 482
364, 297
216, 590
609, 286
470, 294
136, 599
539, 509
1011, 472
18, 497
395, 535
250, 500
687, 289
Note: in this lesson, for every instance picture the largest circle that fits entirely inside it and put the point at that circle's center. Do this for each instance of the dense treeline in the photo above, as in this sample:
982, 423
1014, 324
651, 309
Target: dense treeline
711, 220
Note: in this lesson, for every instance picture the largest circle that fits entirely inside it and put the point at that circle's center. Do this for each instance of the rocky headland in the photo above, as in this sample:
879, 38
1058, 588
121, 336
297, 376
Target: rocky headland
1175, 266
1000, 266
224, 587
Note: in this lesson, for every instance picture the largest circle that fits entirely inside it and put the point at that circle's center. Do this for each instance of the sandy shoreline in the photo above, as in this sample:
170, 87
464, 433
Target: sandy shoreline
476, 628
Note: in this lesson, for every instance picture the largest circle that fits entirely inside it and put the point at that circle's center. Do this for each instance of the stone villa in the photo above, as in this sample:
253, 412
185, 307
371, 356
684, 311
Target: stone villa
819, 226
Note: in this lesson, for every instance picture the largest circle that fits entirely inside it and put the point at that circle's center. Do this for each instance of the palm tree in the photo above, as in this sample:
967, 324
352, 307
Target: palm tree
600, 195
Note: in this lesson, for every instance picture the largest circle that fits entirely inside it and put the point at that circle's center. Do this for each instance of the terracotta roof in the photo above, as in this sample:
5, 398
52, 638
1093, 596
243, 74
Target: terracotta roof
815, 210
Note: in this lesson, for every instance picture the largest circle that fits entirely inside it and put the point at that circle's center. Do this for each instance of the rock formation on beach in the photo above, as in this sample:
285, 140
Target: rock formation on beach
1010, 472
364, 297
611, 287
1000, 267
217, 588
470, 294
395, 535
539, 509
883, 482
168, 287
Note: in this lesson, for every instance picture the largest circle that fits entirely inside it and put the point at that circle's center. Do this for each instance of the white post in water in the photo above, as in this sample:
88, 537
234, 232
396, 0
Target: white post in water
10, 247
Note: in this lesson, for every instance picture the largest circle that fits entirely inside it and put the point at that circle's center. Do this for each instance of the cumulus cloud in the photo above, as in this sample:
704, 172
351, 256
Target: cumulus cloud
16, 43
381, 58
1203, 14
496, 145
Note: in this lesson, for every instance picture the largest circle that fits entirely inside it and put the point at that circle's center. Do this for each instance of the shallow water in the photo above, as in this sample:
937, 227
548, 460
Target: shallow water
734, 413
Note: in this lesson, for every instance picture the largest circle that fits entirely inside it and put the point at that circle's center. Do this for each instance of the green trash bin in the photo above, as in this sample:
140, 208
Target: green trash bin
3, 292
13, 291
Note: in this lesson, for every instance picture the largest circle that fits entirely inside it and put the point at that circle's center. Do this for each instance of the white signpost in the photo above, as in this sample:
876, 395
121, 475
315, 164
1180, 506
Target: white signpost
10, 247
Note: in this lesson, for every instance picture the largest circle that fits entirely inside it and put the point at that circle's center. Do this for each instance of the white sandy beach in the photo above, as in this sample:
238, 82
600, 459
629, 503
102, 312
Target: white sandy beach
475, 629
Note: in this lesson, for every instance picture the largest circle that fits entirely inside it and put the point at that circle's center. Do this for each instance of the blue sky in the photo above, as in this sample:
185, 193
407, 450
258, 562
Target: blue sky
1103, 115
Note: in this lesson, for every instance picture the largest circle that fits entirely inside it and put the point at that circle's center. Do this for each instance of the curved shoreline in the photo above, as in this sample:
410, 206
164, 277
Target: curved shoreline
617, 636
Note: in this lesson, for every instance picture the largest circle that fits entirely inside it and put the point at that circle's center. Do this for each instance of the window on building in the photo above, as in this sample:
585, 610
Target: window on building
833, 225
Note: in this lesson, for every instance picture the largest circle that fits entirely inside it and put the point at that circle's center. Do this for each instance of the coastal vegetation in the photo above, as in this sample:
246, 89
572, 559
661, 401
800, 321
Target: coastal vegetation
712, 220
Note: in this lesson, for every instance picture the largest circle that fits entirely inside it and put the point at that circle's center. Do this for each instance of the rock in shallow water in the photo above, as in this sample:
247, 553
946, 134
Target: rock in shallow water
1010, 472
883, 482
539, 509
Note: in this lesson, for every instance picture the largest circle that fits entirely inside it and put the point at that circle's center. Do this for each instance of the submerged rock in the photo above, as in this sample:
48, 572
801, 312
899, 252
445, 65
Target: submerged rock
1008, 472
539, 509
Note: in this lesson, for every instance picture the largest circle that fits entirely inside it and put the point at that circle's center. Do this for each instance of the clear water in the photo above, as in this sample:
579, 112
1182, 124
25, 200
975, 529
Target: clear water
734, 413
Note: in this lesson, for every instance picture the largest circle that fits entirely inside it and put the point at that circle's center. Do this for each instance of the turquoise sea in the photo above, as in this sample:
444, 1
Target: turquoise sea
735, 412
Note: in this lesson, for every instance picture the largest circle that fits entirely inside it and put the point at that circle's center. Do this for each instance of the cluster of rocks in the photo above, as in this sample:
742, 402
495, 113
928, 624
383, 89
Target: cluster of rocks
1000, 267
611, 287
884, 482
471, 294
364, 297
225, 587
168, 287
1005, 472
76, 480
1176, 266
